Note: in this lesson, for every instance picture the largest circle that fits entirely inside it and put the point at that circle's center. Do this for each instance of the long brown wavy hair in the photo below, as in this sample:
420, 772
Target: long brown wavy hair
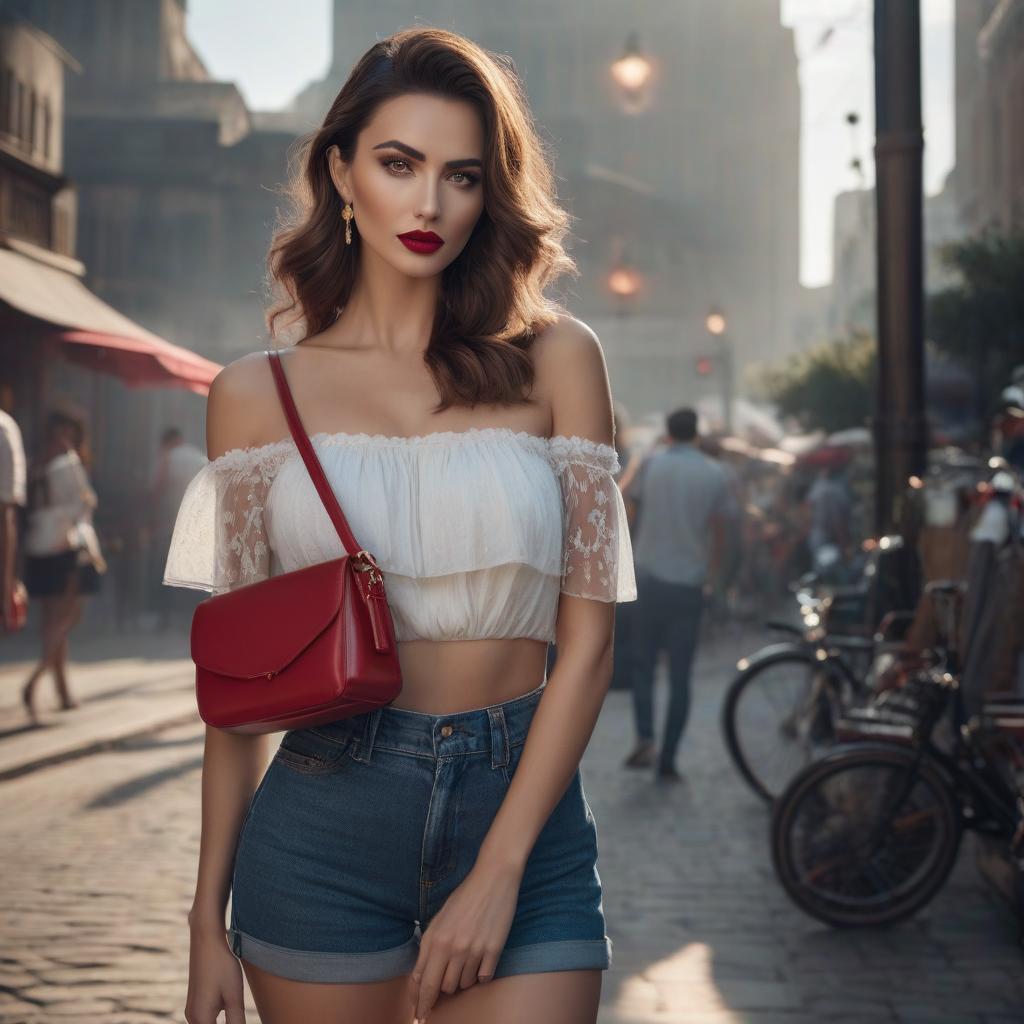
492, 302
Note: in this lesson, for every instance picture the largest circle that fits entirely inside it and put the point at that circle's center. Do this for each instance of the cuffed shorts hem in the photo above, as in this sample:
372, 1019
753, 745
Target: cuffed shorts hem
304, 965
560, 955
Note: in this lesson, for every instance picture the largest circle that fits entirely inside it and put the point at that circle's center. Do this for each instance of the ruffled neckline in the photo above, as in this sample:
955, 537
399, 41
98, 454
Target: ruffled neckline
558, 447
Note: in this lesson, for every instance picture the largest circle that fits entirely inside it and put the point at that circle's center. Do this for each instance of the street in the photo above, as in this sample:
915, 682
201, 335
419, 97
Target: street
100, 852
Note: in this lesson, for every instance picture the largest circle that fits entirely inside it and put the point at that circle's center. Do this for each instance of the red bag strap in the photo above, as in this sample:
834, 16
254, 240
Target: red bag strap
309, 456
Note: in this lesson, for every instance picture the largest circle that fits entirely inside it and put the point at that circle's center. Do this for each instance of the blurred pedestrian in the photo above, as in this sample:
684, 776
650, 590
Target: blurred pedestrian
1009, 426
12, 495
719, 598
64, 561
830, 503
685, 507
177, 463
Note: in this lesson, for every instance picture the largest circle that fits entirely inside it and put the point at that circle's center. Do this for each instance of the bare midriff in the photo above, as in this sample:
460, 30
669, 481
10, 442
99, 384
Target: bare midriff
447, 676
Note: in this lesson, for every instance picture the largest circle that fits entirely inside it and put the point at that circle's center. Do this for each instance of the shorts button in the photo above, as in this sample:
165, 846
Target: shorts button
446, 730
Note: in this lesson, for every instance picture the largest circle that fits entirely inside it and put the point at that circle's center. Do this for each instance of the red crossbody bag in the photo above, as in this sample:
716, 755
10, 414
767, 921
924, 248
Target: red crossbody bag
302, 648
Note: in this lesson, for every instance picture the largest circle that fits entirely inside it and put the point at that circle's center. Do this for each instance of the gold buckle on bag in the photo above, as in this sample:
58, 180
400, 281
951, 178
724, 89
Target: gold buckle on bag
368, 564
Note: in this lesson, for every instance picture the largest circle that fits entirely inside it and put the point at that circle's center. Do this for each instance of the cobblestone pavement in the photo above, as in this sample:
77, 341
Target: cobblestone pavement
99, 857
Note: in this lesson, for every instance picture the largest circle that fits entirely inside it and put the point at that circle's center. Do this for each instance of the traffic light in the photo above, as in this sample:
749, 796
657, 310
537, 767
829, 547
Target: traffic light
705, 366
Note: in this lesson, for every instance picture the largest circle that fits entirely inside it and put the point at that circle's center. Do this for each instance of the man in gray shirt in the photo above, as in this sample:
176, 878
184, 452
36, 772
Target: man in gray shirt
683, 505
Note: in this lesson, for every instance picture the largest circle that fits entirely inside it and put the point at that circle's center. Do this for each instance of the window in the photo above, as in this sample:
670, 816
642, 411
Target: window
47, 128
32, 126
27, 97
16, 90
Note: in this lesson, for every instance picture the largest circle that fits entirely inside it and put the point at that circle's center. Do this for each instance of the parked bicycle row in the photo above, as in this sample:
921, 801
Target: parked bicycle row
890, 721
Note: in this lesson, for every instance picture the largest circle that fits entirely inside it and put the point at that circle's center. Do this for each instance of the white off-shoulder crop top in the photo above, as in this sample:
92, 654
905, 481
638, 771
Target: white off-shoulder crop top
477, 531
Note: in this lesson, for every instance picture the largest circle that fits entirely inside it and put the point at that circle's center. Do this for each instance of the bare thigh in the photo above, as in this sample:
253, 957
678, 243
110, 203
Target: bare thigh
283, 1001
555, 997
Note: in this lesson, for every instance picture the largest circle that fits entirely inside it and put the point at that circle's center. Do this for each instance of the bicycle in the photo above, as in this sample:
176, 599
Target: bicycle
868, 835
779, 711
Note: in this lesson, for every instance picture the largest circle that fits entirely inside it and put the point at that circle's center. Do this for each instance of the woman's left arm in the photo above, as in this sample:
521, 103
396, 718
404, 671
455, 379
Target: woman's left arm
466, 938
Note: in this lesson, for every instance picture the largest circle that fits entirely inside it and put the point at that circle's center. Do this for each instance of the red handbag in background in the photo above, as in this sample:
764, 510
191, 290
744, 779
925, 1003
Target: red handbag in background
17, 613
302, 648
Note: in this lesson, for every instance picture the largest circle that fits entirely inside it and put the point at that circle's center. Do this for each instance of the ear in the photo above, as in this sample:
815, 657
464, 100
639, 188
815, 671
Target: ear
338, 170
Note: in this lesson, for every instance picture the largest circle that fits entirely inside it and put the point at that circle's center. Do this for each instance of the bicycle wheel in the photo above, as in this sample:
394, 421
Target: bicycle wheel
865, 837
778, 716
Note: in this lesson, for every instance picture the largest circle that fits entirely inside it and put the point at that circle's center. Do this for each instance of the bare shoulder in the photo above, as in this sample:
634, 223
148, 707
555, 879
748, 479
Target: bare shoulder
566, 344
571, 375
241, 408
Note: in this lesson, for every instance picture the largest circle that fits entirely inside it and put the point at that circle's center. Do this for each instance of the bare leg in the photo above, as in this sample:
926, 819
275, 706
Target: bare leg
283, 1001
555, 997
52, 614
59, 613
74, 615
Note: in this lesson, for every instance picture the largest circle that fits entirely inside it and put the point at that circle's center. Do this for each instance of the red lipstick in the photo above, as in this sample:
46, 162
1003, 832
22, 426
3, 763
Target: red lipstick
423, 242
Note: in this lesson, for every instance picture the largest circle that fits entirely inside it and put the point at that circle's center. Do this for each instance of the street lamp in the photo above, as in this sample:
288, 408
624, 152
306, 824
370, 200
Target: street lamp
716, 325
632, 73
624, 283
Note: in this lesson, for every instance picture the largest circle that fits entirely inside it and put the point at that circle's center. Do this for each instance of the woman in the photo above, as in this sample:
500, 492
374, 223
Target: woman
466, 427
63, 560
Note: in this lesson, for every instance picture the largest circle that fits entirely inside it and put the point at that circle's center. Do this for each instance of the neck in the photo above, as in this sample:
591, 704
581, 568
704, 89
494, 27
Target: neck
388, 310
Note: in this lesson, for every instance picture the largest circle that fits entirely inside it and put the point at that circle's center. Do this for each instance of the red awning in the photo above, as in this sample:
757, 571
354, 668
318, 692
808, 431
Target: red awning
93, 333
139, 363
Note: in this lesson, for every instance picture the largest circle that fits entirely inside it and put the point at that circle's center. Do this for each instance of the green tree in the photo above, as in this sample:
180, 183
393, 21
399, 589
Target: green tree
980, 320
829, 387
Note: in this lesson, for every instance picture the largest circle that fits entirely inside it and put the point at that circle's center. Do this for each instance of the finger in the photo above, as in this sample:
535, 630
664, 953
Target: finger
234, 1012
416, 974
469, 972
430, 983
453, 975
488, 965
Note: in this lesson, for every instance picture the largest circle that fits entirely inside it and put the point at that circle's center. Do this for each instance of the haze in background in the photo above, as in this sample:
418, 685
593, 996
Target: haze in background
834, 43
286, 45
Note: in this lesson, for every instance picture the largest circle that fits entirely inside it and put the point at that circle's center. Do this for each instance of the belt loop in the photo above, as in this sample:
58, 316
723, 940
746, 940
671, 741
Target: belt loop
499, 737
364, 743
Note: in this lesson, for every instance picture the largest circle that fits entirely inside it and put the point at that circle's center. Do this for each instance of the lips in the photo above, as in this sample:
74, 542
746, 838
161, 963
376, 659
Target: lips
423, 242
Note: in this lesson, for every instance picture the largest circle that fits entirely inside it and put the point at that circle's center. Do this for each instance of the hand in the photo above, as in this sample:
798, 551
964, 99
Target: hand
464, 940
214, 980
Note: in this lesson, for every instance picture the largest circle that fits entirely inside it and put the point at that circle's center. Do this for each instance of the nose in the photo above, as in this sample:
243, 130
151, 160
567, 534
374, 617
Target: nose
430, 201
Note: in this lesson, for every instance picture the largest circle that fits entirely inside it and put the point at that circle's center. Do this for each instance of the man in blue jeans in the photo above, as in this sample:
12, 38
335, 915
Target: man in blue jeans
683, 505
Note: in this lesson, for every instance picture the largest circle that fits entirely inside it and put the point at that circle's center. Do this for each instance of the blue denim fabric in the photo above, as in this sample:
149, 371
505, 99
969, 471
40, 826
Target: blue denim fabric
361, 829
667, 615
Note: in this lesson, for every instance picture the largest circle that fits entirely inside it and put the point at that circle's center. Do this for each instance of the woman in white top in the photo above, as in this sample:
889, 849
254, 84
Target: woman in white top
61, 552
465, 424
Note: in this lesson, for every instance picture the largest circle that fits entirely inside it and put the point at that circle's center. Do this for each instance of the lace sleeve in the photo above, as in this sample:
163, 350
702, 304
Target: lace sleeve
220, 535
597, 557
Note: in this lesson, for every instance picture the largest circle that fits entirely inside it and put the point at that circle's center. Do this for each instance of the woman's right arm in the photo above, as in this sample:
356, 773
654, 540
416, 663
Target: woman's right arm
233, 763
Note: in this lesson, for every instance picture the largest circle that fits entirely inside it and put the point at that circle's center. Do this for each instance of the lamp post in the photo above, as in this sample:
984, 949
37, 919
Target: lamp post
901, 440
716, 325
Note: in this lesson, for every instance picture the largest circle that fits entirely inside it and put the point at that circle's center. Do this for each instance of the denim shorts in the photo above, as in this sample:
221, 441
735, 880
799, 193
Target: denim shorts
362, 828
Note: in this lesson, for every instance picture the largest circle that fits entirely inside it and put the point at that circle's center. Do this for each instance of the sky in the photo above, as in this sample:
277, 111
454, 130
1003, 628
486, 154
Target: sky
287, 45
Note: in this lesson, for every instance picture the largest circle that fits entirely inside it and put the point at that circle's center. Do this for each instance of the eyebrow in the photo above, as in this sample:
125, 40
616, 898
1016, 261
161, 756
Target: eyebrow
415, 154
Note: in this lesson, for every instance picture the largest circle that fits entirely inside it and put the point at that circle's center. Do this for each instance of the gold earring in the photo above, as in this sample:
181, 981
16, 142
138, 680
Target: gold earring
347, 215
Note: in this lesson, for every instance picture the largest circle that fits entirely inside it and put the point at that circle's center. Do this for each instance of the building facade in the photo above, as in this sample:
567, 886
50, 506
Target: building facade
989, 176
690, 198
